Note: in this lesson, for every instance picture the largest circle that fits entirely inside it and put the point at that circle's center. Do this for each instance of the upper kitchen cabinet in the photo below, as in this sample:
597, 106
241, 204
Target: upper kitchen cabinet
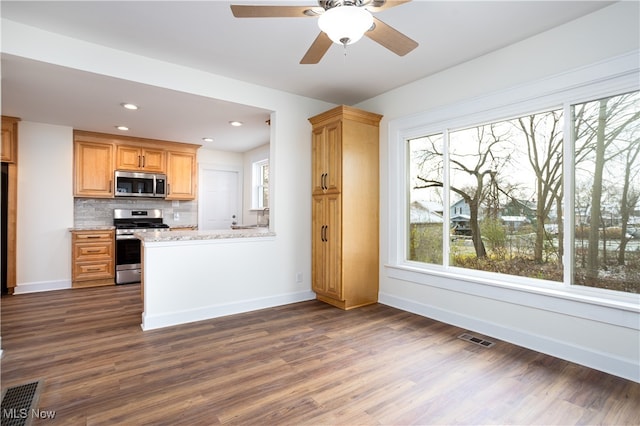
93, 169
9, 149
97, 156
327, 153
140, 159
181, 175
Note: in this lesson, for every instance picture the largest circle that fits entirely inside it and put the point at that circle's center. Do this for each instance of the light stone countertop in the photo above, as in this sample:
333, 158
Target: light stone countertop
176, 226
164, 236
92, 228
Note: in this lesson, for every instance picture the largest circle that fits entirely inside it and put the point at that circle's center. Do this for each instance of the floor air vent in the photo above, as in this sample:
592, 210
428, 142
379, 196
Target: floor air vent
478, 341
18, 403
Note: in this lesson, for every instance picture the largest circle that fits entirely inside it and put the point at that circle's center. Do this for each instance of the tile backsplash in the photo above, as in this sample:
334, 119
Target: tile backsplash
99, 211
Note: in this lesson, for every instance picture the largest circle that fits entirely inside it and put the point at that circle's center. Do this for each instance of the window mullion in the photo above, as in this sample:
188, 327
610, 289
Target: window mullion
446, 212
568, 176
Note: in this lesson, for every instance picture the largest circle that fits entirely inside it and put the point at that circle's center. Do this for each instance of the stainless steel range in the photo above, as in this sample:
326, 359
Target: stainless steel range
128, 247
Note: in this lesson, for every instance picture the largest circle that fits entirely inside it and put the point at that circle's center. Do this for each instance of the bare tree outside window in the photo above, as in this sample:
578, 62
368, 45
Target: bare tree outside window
607, 193
505, 211
426, 206
505, 191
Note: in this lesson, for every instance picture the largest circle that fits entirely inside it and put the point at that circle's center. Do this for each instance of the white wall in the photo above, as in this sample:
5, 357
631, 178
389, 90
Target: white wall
291, 178
216, 277
607, 346
45, 207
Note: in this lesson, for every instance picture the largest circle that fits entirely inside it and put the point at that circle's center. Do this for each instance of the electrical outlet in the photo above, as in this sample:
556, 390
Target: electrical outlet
299, 277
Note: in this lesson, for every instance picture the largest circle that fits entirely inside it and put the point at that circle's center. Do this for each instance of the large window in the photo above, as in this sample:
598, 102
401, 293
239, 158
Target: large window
491, 197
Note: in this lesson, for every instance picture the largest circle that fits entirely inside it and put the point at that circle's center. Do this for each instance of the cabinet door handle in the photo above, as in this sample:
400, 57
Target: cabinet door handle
139, 161
324, 181
144, 161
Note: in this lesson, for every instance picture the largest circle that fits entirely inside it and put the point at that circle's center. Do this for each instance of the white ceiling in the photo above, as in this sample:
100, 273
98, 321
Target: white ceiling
266, 51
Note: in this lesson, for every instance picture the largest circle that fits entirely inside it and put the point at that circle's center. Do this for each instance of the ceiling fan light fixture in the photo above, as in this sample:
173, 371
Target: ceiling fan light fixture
345, 24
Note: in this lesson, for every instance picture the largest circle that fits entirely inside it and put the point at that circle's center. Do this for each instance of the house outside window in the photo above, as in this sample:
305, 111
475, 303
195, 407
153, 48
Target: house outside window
550, 195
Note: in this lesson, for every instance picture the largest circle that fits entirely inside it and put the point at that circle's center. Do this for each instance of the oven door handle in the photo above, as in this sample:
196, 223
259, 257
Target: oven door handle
126, 237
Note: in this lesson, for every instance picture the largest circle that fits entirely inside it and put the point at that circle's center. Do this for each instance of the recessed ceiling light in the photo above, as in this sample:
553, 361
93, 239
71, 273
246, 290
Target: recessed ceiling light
236, 123
207, 139
123, 128
129, 106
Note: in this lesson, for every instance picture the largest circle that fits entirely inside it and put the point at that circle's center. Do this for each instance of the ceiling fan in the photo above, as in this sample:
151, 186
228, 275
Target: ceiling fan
341, 21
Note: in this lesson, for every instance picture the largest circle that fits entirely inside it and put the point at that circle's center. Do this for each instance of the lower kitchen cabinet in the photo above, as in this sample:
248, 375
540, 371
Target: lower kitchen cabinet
92, 258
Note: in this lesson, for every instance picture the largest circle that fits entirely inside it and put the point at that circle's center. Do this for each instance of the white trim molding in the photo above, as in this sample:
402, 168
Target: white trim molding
40, 286
626, 368
151, 322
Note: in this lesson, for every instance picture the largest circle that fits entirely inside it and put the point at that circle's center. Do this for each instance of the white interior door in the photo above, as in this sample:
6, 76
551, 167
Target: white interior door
218, 202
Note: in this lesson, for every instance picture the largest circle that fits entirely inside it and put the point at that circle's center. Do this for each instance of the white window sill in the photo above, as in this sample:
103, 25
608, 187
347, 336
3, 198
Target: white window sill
616, 308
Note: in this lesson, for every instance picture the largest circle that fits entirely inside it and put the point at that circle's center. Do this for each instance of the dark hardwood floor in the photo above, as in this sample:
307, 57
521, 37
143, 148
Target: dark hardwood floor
305, 363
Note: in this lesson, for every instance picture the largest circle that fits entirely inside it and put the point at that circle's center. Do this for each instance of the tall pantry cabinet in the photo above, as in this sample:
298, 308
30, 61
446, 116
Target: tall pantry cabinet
345, 217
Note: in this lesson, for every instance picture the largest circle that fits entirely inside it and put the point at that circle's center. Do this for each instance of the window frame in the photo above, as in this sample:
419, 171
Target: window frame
614, 76
257, 198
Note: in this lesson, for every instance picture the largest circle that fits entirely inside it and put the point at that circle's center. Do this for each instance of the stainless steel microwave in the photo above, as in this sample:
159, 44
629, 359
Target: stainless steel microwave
140, 184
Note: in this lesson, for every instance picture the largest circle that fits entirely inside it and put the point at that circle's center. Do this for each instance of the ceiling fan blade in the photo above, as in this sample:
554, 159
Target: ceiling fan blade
379, 5
391, 38
247, 11
317, 50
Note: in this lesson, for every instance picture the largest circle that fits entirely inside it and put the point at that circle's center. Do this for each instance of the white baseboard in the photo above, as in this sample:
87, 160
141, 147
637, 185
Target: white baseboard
41, 286
588, 357
150, 322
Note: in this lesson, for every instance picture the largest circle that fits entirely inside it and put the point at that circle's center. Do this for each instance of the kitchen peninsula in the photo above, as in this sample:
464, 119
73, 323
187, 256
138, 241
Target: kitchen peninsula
196, 275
